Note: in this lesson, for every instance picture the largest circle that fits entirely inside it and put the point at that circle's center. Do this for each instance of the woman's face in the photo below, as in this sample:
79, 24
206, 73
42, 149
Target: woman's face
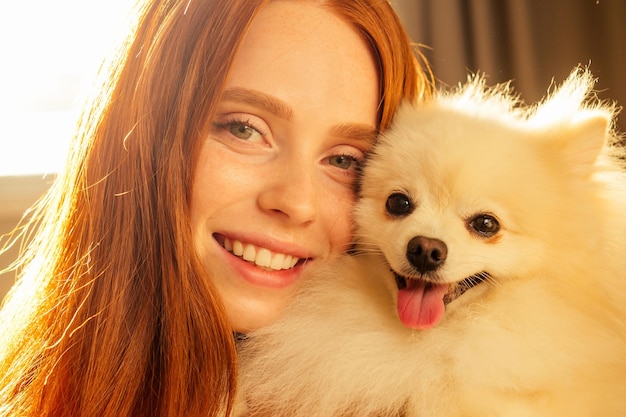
273, 188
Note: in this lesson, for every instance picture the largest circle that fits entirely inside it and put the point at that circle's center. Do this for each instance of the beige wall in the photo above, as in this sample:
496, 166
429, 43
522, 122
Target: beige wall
17, 194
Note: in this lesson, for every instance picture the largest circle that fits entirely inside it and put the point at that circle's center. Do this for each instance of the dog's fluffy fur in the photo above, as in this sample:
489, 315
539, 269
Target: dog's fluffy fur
531, 203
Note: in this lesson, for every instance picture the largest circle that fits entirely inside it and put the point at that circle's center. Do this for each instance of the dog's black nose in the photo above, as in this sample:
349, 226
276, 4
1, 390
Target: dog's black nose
426, 254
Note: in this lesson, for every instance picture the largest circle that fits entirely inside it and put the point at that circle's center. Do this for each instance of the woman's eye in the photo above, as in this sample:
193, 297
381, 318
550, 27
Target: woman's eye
239, 127
242, 130
343, 161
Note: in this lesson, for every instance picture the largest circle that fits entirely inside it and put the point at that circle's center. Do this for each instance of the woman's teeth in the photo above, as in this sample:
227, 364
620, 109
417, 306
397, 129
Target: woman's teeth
260, 256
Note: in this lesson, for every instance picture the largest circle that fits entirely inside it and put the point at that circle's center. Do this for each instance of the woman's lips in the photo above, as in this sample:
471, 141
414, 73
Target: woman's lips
258, 255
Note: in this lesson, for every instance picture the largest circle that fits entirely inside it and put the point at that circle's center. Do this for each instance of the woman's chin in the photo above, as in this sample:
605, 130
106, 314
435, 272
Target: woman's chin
253, 313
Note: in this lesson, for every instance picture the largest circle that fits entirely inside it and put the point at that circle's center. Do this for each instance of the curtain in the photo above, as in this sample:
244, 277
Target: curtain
532, 42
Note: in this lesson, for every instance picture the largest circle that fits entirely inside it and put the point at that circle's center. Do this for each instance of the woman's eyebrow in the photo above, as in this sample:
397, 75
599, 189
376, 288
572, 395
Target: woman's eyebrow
358, 131
258, 99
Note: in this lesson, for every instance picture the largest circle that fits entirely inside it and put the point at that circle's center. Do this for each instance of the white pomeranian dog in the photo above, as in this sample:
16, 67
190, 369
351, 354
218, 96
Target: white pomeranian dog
489, 278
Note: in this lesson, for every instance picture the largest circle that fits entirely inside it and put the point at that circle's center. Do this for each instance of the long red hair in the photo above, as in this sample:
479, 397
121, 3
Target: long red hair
114, 314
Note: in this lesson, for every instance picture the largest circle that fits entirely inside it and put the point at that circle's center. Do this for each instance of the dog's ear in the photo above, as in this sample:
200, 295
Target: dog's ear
584, 139
575, 121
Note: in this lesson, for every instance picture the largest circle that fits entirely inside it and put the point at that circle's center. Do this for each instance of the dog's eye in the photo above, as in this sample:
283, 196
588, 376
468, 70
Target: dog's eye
485, 225
399, 204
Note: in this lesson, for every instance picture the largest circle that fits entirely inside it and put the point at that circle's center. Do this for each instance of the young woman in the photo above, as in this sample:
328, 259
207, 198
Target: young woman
215, 168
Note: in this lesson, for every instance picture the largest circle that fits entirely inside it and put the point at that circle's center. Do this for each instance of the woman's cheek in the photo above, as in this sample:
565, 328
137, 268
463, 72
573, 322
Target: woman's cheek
340, 220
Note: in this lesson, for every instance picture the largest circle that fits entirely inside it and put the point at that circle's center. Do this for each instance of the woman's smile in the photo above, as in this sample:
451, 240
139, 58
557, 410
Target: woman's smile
258, 255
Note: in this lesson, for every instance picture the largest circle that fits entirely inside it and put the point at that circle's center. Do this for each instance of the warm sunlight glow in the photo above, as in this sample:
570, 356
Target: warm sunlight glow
50, 52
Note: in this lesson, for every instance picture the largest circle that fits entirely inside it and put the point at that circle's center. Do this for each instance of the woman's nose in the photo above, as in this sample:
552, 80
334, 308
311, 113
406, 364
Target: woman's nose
291, 191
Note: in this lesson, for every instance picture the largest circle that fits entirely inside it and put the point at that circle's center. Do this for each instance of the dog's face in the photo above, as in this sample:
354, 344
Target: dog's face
458, 203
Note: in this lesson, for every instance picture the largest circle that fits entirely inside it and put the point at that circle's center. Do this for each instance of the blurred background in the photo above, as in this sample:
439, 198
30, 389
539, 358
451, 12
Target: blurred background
531, 42
51, 50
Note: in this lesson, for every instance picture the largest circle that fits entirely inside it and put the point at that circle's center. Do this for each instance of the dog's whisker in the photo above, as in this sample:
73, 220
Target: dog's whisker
367, 254
366, 249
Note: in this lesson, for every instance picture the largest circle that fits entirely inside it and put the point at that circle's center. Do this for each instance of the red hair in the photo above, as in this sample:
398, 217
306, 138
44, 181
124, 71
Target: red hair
114, 314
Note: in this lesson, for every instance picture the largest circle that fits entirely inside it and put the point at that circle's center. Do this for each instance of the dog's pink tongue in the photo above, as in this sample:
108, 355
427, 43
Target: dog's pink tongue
420, 306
